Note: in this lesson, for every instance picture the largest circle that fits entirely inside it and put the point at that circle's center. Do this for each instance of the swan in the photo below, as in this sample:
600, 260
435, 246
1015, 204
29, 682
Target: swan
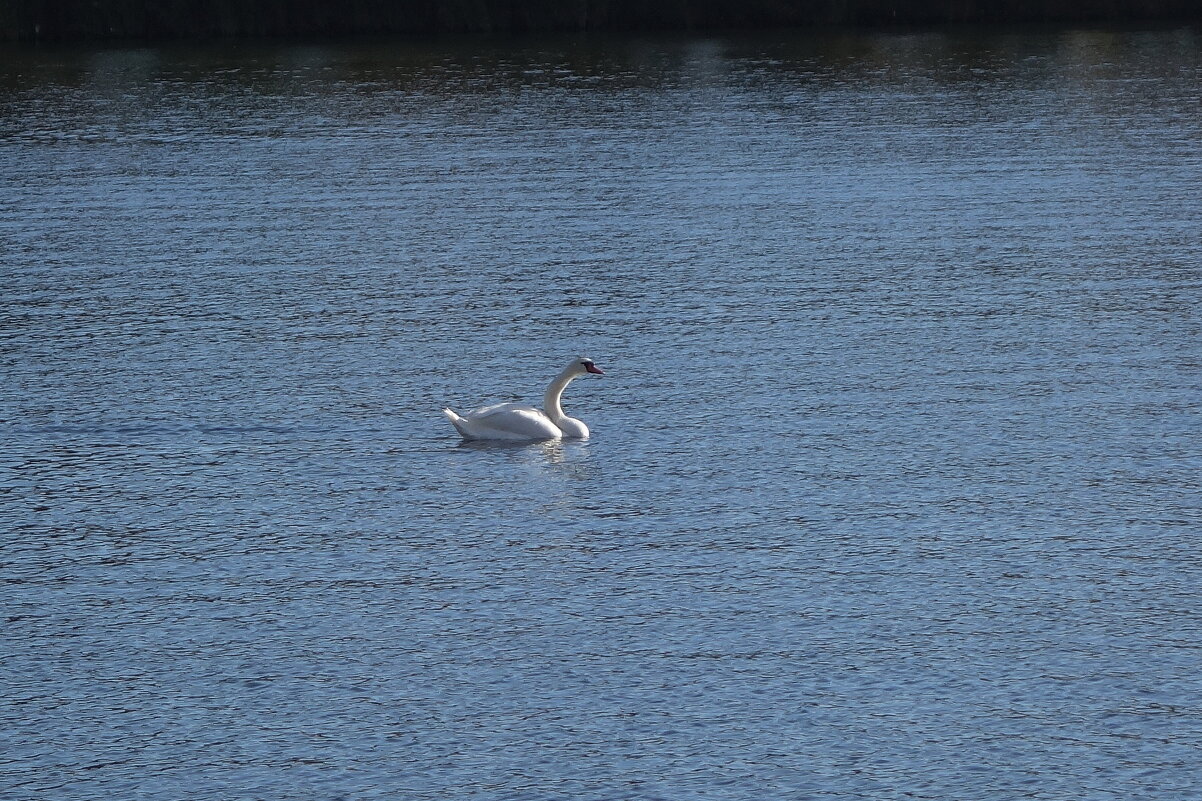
519, 421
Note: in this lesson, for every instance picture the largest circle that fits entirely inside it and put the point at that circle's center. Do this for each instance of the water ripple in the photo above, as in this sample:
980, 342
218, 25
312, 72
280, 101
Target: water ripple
893, 491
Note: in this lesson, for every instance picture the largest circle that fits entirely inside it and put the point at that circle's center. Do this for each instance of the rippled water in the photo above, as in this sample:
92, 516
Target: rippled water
893, 491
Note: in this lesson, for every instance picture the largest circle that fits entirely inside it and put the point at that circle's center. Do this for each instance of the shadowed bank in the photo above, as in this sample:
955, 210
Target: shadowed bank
41, 20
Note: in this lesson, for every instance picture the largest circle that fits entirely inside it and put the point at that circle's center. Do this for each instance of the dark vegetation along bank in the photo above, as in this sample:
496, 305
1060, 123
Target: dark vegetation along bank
45, 20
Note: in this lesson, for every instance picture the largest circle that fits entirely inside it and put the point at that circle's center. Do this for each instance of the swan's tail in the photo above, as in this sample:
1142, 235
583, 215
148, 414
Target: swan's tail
456, 421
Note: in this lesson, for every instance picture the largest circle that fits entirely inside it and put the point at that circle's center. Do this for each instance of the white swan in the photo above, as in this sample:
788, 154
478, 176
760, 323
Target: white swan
519, 421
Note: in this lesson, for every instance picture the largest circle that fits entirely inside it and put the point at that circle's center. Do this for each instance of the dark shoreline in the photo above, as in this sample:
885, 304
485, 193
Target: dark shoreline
75, 20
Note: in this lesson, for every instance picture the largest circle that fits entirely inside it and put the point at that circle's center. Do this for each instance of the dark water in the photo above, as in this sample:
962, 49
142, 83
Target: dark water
893, 491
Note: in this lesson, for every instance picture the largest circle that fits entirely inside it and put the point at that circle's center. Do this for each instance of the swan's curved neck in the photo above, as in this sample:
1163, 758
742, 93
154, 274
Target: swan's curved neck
555, 392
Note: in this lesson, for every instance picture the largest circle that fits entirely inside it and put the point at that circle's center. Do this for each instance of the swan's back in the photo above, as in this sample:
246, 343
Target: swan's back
512, 421
496, 409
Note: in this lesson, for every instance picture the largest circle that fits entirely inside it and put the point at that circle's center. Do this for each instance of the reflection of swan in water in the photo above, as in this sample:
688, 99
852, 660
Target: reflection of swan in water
548, 477
553, 451
522, 422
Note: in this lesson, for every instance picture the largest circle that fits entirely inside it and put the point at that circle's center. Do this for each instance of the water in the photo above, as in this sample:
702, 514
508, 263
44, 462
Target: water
893, 486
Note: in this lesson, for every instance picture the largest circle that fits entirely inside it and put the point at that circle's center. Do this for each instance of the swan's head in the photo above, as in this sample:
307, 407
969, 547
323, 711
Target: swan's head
585, 365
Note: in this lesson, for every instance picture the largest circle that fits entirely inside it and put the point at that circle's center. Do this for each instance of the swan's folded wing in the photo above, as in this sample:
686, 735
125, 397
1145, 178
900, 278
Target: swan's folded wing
485, 412
511, 421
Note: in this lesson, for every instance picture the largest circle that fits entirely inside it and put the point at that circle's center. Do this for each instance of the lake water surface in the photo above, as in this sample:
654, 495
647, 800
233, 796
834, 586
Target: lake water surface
893, 490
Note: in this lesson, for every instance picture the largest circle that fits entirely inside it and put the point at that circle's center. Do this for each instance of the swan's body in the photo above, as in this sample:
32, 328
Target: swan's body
520, 421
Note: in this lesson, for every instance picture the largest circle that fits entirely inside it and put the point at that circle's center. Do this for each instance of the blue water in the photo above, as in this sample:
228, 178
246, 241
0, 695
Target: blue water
893, 489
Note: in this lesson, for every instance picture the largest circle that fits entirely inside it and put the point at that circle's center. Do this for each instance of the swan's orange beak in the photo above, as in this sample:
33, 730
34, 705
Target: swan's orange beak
592, 368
